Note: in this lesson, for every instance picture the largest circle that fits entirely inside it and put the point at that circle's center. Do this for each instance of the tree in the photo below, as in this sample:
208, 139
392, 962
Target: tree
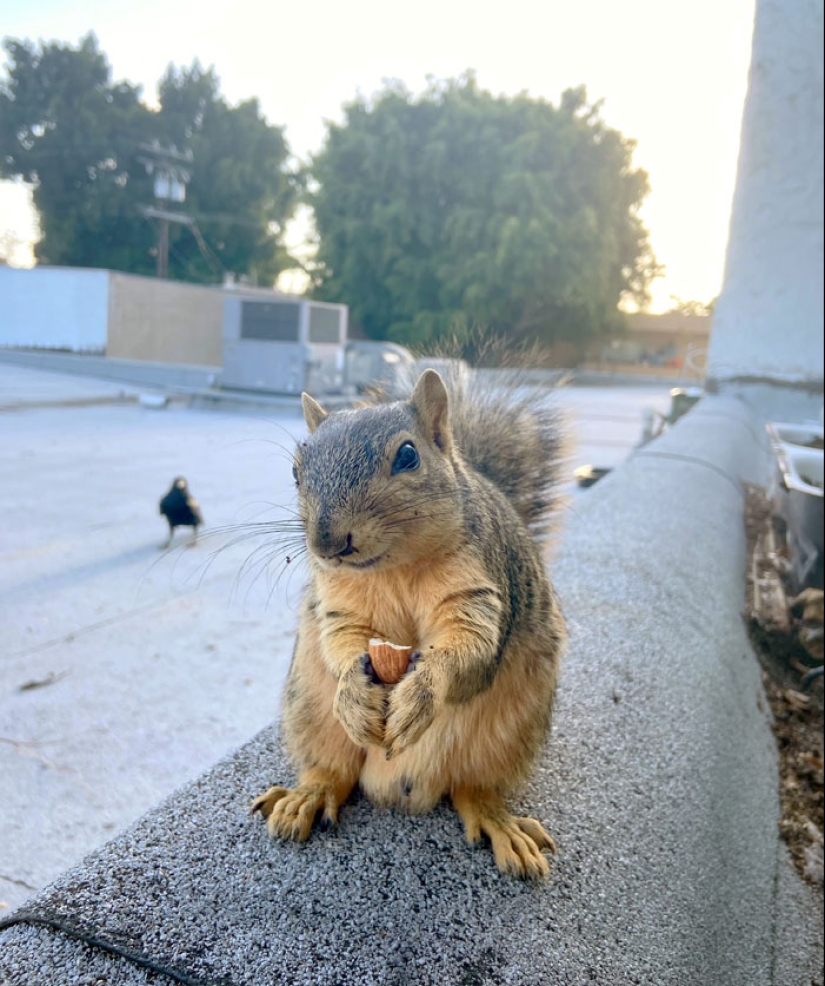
458, 209
75, 135
241, 192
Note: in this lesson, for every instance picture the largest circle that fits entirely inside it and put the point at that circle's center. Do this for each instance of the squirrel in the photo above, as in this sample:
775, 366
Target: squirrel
424, 520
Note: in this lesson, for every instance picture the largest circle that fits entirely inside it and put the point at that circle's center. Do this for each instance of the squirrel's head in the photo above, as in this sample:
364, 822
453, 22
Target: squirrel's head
377, 485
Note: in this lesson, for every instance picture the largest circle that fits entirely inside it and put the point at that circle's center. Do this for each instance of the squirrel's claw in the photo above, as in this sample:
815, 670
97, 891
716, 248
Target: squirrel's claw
518, 844
291, 812
367, 667
412, 708
360, 704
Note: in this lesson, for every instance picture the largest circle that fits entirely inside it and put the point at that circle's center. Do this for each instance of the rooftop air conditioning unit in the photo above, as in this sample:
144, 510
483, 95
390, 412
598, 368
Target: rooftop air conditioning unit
283, 345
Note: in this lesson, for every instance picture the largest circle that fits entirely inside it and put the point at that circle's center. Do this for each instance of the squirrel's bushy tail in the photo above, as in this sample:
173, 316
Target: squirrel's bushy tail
513, 433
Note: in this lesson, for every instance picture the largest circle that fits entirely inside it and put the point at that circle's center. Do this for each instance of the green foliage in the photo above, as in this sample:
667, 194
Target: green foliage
459, 209
65, 128
73, 133
240, 192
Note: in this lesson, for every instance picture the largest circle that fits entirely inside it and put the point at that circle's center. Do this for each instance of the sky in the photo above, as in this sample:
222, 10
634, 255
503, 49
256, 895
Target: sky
672, 75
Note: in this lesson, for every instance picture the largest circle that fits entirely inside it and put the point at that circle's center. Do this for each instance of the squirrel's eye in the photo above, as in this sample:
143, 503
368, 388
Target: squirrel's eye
406, 459
295, 473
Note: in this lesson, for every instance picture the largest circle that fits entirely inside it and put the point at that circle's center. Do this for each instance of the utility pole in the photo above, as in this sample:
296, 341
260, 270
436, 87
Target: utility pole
172, 170
163, 247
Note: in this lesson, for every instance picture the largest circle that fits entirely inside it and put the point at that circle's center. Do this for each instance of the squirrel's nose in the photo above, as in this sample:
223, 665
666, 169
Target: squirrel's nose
330, 546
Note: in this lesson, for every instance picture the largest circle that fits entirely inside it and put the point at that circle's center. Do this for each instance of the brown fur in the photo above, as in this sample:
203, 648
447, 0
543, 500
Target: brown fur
438, 557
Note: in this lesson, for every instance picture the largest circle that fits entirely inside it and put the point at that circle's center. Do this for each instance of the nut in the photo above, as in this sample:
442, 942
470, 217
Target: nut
389, 660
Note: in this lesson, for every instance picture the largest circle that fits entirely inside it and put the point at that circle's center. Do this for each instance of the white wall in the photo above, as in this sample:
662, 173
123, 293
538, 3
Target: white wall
768, 321
54, 308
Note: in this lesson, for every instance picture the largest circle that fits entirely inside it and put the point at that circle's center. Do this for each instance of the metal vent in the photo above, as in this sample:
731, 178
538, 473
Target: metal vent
324, 324
274, 321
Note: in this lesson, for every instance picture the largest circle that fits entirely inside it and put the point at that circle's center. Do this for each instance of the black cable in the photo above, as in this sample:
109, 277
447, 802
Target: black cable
25, 916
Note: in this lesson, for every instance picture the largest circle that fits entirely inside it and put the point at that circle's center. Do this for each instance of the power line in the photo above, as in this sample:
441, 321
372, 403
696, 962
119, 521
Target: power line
188, 221
209, 256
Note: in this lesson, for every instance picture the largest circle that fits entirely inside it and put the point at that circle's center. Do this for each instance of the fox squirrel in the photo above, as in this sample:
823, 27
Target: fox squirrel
423, 520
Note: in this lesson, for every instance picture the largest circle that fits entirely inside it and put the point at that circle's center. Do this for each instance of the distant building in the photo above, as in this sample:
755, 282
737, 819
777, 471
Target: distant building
125, 316
656, 344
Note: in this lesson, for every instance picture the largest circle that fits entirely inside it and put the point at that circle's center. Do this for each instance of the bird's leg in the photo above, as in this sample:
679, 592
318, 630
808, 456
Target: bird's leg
194, 540
168, 541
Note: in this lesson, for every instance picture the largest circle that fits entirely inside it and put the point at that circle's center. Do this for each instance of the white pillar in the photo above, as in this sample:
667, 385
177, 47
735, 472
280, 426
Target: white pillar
767, 328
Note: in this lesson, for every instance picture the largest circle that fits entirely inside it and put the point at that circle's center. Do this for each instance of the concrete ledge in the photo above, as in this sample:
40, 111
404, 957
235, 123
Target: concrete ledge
624, 377
202, 379
180, 376
659, 783
191, 383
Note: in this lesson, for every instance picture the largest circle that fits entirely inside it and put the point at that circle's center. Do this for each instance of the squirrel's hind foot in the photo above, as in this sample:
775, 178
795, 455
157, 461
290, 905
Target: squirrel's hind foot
291, 812
518, 843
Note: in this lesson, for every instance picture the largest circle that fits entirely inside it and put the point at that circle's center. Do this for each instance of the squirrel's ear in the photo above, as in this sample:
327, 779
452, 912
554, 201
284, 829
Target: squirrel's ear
314, 414
432, 406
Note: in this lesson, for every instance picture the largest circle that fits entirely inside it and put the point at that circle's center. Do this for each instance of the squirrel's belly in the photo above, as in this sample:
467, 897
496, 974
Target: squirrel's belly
400, 783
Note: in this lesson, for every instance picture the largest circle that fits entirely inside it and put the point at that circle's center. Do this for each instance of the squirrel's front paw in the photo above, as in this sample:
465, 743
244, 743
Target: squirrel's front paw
360, 704
412, 707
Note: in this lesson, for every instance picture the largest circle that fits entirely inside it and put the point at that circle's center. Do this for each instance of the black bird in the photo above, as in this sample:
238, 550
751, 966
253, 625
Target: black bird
180, 509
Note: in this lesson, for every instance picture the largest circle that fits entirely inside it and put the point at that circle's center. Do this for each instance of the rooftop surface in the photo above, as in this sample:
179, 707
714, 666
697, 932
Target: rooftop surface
658, 782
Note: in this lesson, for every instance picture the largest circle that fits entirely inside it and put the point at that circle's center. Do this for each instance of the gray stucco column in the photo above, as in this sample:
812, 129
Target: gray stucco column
767, 330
